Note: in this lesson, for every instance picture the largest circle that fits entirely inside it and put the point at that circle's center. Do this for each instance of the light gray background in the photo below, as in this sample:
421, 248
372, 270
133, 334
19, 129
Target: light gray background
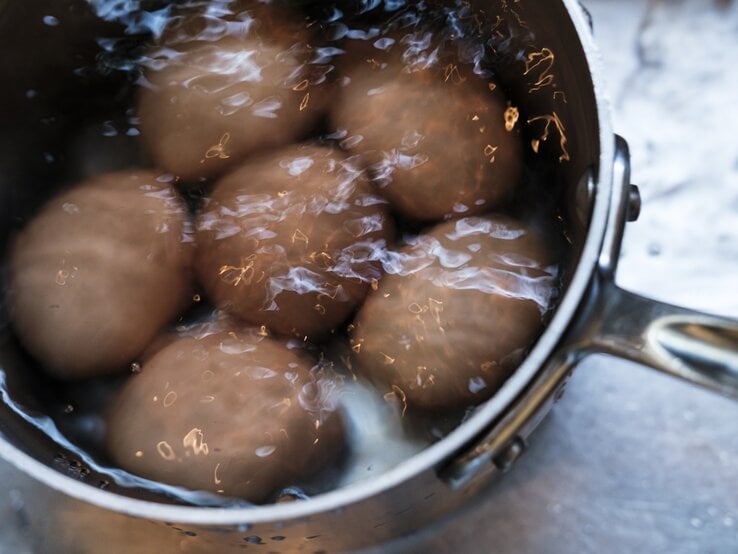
629, 461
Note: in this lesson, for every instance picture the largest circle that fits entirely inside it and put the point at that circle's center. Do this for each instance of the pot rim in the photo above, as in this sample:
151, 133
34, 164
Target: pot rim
603, 209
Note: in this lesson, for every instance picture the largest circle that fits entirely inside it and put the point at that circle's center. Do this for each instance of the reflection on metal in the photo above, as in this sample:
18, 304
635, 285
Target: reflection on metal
559, 126
610, 249
543, 60
634, 203
695, 347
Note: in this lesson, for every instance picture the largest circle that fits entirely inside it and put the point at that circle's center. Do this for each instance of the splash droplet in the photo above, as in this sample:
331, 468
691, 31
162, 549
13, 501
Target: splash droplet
264, 451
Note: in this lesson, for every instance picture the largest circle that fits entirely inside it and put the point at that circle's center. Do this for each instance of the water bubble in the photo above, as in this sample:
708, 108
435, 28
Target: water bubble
169, 399
136, 367
166, 178
267, 108
108, 129
291, 494
264, 451
61, 277
351, 141
70, 208
166, 451
477, 384
50, 20
384, 43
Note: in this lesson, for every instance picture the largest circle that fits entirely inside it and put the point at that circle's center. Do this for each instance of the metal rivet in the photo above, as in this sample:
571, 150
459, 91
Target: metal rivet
509, 454
634, 203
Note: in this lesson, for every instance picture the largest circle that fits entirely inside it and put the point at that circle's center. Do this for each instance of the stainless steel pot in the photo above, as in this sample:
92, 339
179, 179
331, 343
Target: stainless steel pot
560, 83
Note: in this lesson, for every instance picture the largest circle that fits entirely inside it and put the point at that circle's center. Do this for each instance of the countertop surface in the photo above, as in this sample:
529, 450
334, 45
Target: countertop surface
629, 460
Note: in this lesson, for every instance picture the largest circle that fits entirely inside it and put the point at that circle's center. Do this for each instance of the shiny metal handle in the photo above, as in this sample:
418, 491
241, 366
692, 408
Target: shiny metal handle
695, 347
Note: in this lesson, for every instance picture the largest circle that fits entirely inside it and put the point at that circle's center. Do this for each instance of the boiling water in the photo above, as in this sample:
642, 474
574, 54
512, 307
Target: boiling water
121, 478
381, 435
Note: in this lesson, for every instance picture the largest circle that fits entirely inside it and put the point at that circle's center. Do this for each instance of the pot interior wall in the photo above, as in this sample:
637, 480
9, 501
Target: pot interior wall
54, 89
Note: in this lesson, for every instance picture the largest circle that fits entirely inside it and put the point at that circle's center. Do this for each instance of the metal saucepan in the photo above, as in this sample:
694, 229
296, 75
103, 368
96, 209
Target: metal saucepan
558, 72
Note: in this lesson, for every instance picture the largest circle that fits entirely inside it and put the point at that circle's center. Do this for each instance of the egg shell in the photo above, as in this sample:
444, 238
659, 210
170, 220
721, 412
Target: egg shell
234, 413
292, 241
223, 84
458, 309
442, 141
97, 273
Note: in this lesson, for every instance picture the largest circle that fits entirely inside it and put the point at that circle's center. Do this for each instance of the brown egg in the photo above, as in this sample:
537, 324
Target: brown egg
459, 307
99, 271
226, 82
234, 413
292, 241
442, 141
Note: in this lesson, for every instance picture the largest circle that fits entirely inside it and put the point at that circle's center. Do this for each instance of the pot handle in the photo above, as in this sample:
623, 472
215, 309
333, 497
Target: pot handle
695, 347
699, 348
